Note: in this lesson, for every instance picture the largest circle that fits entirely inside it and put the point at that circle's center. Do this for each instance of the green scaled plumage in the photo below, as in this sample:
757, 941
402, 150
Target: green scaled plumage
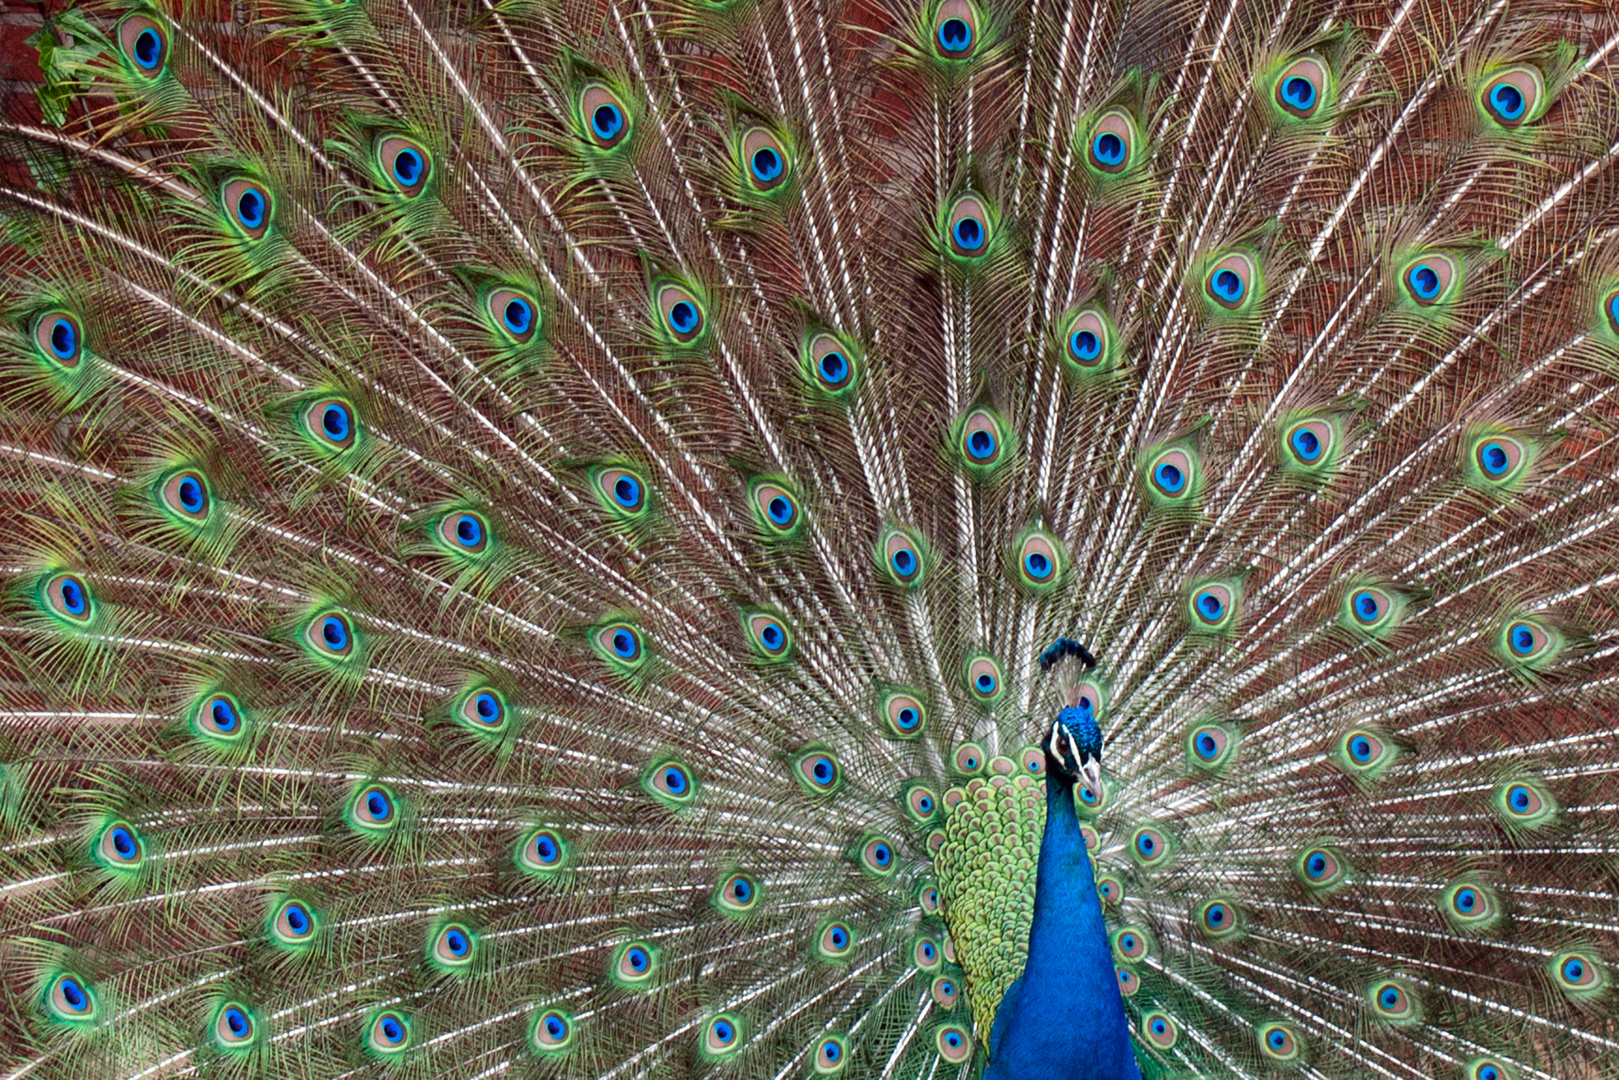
531, 529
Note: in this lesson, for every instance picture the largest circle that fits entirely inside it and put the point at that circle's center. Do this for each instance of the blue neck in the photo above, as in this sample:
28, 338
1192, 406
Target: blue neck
1064, 1020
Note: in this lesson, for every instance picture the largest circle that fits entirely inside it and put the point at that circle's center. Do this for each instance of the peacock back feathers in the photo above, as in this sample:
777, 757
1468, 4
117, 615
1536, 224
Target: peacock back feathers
532, 527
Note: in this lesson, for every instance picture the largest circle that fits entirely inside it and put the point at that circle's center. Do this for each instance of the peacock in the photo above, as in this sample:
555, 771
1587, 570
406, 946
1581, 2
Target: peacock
908, 539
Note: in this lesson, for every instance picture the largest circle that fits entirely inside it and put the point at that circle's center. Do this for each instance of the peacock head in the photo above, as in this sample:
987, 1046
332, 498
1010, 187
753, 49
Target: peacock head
1073, 747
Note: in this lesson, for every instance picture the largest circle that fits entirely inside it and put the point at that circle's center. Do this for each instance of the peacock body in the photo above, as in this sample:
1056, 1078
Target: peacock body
536, 530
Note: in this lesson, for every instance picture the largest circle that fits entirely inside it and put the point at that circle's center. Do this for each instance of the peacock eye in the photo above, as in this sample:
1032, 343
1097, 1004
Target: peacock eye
737, 894
834, 941
330, 423
453, 946
60, 338
329, 635
463, 532
552, 1031
832, 364
634, 964
1149, 846
968, 759
1039, 561
905, 714
72, 1000
1500, 459
681, 312
1161, 1031
967, 229
1428, 279
1301, 87
373, 809
981, 440
1230, 282
388, 1034
1513, 97
292, 924
606, 121
1088, 340
1110, 147
955, 30
514, 314
902, 557
953, 1043
1393, 1002
67, 595
119, 847
482, 709
1172, 475
248, 206
145, 44
234, 1027
620, 643
405, 163
768, 635
766, 159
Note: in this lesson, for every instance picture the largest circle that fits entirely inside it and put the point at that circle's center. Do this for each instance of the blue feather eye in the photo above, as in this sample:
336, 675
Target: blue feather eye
1513, 97
552, 1032
1523, 805
119, 847
1150, 846
1488, 1069
817, 771
463, 532
145, 44
766, 158
634, 965
329, 636
984, 679
1469, 907
482, 710
738, 894
59, 338
945, 992
514, 314
831, 1055
967, 228
1210, 747
968, 759
1579, 974
1040, 561
219, 718
1610, 310
622, 491
681, 312
184, 494
1302, 87
388, 1033
405, 164
1428, 279
71, 999
832, 365
1213, 606
67, 596
1131, 943
1393, 1002
292, 923
723, 1036
775, 507
904, 714
1370, 610
876, 856
1365, 754
247, 205
606, 121
1280, 1042
1160, 1030
233, 1026
1110, 146
1172, 476
373, 809
1230, 282
1320, 868
330, 424
955, 30
671, 783
1219, 919
1309, 446
1499, 458
925, 954
1089, 342
981, 440
954, 1043
900, 554
452, 947
621, 645
834, 940
542, 853
1111, 890
768, 635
